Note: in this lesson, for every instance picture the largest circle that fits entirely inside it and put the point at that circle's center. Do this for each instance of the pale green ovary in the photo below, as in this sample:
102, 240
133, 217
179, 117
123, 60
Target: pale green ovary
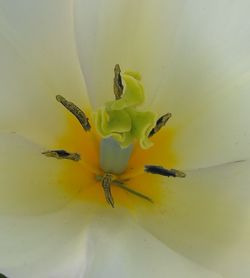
120, 118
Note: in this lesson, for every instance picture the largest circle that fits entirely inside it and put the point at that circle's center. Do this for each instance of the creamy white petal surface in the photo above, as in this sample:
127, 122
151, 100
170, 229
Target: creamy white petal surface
38, 61
194, 59
50, 246
58, 247
119, 248
206, 218
30, 183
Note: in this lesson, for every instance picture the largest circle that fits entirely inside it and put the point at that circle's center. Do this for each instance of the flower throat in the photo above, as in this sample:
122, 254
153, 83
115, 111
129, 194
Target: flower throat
120, 125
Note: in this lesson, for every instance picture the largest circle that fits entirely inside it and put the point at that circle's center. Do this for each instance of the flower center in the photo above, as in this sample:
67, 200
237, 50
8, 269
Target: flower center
123, 135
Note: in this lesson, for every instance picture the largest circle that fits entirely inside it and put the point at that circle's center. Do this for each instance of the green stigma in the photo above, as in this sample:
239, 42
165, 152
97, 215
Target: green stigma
121, 119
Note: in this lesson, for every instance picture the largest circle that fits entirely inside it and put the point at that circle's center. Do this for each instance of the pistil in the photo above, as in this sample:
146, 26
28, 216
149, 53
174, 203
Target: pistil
113, 158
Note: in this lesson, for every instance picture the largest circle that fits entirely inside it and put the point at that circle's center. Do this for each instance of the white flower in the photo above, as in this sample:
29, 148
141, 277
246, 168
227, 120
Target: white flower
194, 59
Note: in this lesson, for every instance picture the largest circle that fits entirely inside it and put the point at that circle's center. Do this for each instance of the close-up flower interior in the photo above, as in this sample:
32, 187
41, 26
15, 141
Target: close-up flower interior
124, 139
113, 154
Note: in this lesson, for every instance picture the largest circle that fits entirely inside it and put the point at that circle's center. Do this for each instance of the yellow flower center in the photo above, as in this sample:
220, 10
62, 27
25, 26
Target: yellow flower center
82, 181
115, 168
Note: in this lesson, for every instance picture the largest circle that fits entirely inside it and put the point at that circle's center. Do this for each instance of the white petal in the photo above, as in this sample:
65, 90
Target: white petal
38, 61
206, 218
50, 246
220, 135
194, 59
118, 248
30, 183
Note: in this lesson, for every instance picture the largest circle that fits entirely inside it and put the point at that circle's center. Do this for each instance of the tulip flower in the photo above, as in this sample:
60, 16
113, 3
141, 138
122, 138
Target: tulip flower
124, 138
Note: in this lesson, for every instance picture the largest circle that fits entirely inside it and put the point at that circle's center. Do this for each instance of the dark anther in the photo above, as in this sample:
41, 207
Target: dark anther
160, 123
118, 87
62, 154
76, 111
106, 183
159, 170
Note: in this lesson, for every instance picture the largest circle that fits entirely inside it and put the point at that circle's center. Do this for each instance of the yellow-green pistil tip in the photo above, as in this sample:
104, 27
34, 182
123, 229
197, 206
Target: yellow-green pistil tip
120, 118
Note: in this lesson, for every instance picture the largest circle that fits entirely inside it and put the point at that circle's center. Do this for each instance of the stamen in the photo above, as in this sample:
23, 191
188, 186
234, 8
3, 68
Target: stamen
160, 123
106, 182
118, 87
76, 111
120, 183
159, 170
62, 154
125, 187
